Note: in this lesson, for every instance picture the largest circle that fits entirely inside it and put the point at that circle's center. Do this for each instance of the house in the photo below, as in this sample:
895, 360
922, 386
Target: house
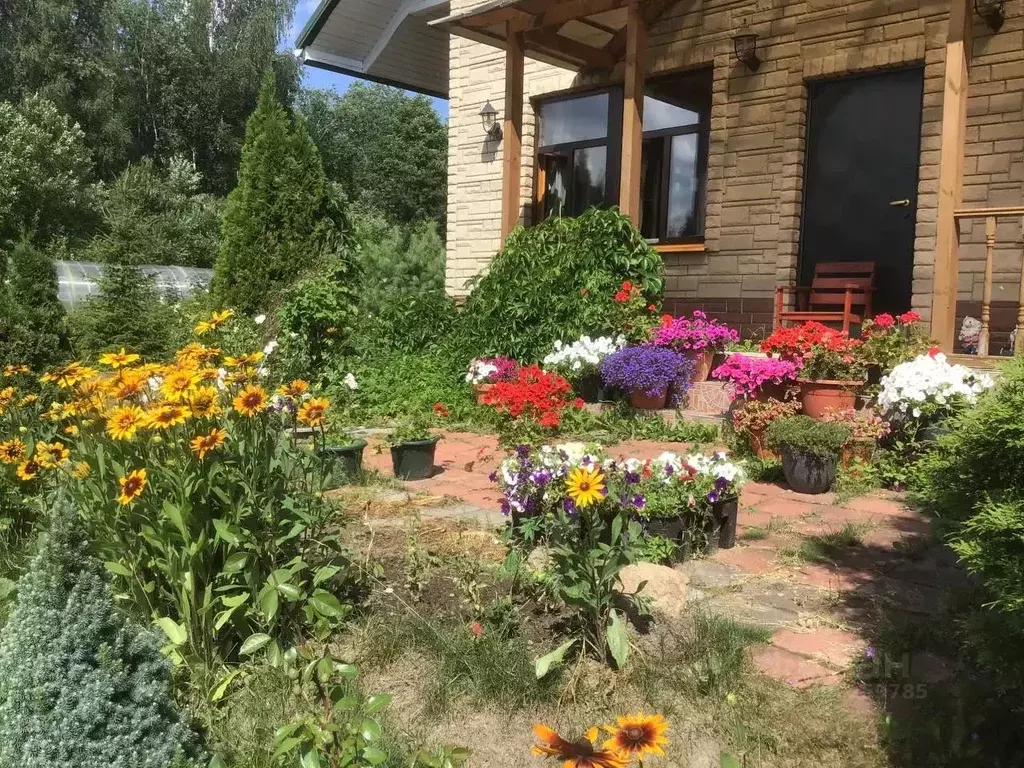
748, 139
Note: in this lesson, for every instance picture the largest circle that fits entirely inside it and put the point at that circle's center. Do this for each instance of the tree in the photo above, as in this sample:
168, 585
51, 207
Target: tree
388, 150
46, 172
80, 685
33, 325
157, 217
279, 220
398, 260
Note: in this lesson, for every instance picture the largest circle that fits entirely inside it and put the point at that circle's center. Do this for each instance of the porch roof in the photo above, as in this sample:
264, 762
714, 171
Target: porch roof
387, 41
570, 33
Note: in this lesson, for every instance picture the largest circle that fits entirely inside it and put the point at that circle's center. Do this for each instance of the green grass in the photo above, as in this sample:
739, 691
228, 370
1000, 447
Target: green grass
825, 547
621, 423
761, 532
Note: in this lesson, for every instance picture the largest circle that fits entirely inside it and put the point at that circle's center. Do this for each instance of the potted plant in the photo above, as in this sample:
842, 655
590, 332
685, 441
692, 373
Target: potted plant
866, 429
919, 395
810, 451
580, 362
413, 447
484, 373
530, 406
889, 341
832, 370
696, 337
647, 373
759, 378
753, 418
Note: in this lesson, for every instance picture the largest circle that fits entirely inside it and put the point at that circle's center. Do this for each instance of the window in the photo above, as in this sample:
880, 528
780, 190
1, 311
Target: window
673, 166
578, 152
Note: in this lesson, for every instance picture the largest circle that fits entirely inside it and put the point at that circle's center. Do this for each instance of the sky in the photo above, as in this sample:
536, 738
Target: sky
313, 77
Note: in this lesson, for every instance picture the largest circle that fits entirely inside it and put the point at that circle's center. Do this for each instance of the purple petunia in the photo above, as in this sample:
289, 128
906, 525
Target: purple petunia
749, 374
695, 333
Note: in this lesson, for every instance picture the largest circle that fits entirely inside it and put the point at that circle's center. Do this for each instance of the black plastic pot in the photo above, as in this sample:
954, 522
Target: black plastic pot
415, 460
345, 461
808, 472
722, 527
589, 388
667, 527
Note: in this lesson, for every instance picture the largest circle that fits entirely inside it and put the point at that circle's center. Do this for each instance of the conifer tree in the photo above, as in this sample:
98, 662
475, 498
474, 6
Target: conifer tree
275, 223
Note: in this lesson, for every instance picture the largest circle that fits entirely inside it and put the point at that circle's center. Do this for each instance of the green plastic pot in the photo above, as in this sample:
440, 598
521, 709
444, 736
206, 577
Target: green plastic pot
345, 461
414, 460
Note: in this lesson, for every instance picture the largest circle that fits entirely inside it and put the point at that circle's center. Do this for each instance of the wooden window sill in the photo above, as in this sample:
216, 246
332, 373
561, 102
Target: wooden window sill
680, 248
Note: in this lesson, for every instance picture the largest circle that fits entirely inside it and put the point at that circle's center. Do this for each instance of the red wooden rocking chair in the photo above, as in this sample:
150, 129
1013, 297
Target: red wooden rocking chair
838, 289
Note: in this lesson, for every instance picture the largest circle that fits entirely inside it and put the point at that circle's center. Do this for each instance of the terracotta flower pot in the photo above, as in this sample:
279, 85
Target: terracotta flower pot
481, 391
702, 361
817, 395
759, 446
771, 391
641, 401
857, 449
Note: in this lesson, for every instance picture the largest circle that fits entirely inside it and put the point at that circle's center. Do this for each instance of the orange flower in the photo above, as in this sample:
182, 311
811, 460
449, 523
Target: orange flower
118, 359
576, 754
127, 384
243, 361
178, 383
51, 455
203, 402
69, 375
28, 470
81, 470
12, 451
251, 400
123, 423
295, 390
203, 444
168, 415
634, 736
7, 395
313, 412
132, 486
14, 370
28, 400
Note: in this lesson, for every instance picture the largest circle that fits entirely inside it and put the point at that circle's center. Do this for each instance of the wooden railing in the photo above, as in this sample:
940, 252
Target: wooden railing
991, 216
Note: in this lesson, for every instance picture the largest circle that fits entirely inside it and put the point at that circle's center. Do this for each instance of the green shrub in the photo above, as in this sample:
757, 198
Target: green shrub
398, 259
79, 686
805, 435
412, 322
283, 216
558, 280
153, 216
33, 325
128, 312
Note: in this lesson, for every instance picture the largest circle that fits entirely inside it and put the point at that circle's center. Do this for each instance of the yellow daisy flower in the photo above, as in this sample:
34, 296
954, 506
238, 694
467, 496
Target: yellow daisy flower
124, 422
118, 359
51, 455
203, 401
203, 444
132, 486
251, 400
81, 470
585, 486
12, 451
169, 415
313, 412
28, 470
295, 390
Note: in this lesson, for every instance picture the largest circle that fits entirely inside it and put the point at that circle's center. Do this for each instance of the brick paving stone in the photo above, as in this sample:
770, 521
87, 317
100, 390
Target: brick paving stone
879, 506
748, 559
833, 647
792, 668
763, 489
786, 509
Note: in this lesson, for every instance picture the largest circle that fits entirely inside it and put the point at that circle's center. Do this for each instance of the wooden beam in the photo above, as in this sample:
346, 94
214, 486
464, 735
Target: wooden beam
512, 160
653, 11
550, 41
951, 174
633, 112
558, 13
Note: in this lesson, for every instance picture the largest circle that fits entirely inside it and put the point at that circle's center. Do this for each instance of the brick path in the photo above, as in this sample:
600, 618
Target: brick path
822, 611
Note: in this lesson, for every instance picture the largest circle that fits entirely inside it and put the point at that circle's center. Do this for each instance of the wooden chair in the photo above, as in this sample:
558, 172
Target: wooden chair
838, 289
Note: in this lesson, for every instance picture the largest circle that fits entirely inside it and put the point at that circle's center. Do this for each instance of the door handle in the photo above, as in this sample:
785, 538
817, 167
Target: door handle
900, 203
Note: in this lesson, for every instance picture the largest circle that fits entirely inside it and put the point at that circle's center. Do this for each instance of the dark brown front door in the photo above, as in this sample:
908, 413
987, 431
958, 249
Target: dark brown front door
860, 178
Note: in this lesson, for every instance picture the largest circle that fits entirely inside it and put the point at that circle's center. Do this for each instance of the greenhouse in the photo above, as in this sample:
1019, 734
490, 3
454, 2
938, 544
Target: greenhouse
78, 280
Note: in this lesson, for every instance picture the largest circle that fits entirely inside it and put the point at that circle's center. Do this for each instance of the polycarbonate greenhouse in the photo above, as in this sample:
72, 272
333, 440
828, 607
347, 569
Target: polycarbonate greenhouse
80, 279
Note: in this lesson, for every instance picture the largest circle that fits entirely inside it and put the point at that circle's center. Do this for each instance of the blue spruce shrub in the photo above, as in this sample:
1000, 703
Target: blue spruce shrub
79, 685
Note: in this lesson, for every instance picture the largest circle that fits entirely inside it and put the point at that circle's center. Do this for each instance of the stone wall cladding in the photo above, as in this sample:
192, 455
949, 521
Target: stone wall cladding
757, 141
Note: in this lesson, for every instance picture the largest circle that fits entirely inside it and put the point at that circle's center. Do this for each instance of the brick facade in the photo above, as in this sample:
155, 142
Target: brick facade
757, 140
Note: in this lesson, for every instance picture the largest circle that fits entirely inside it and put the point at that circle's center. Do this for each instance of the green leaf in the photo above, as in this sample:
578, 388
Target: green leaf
235, 562
174, 515
117, 568
310, 759
728, 761
286, 745
289, 591
369, 729
376, 703
374, 756
618, 640
253, 643
233, 601
325, 573
222, 686
545, 663
217, 762
347, 671
327, 605
225, 531
174, 631
268, 604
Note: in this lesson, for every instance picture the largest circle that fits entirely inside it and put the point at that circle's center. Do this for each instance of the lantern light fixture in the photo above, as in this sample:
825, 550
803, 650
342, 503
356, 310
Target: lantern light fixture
745, 45
492, 127
992, 12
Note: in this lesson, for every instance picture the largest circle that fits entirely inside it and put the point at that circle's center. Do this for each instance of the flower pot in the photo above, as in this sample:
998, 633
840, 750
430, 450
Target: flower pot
589, 388
481, 391
771, 391
667, 527
641, 401
857, 449
808, 472
702, 360
932, 432
816, 395
414, 461
724, 513
758, 445
345, 461
874, 374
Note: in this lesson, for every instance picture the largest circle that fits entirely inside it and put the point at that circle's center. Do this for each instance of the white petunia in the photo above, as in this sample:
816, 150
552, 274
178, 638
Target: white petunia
259, 319
350, 382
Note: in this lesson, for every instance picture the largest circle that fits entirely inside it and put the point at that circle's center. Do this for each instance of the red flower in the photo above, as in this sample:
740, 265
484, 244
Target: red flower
441, 410
578, 402
909, 318
651, 308
885, 320
584, 291
627, 286
532, 394
622, 297
934, 351
476, 629
667, 319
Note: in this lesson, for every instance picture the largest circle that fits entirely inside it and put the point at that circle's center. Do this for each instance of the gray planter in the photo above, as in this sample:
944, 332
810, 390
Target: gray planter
808, 472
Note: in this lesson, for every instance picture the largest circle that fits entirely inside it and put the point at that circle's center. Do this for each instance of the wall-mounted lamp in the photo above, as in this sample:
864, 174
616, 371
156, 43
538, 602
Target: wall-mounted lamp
745, 45
489, 116
992, 12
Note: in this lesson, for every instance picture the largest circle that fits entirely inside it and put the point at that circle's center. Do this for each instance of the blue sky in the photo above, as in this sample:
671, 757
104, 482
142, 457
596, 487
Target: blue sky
313, 77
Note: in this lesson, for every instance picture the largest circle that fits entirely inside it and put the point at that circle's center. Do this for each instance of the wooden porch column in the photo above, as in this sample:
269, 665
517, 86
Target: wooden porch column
633, 112
512, 160
951, 174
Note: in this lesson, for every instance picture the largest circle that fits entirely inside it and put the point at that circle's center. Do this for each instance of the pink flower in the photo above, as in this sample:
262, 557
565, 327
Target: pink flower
476, 629
909, 318
885, 320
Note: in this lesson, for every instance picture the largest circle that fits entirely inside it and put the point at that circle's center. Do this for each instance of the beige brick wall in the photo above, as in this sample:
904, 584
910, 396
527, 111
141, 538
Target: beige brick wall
755, 164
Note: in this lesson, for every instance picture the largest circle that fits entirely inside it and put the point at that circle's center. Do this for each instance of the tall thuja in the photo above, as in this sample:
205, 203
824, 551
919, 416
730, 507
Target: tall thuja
33, 326
277, 222
79, 685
